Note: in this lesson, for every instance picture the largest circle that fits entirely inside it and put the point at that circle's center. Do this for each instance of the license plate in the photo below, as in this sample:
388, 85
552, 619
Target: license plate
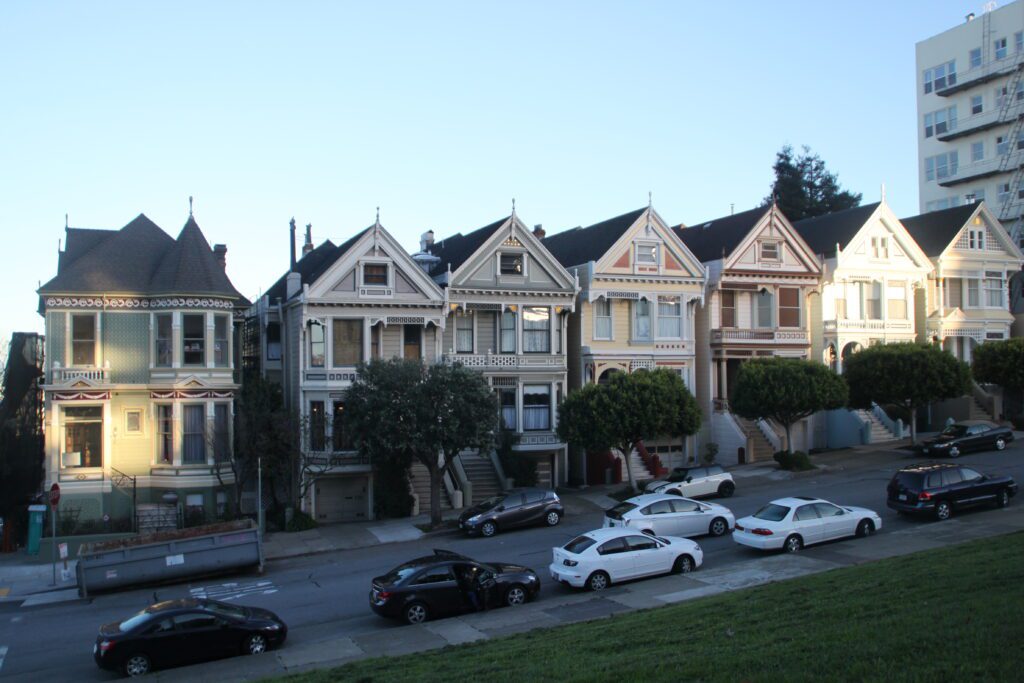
903, 496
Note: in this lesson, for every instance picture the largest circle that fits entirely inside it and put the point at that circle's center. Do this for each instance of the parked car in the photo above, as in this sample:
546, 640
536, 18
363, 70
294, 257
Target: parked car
447, 583
669, 515
695, 481
791, 523
967, 436
514, 508
602, 557
940, 488
178, 632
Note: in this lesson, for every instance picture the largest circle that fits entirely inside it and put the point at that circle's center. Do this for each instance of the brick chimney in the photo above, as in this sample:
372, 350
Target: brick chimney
308, 246
220, 252
538, 231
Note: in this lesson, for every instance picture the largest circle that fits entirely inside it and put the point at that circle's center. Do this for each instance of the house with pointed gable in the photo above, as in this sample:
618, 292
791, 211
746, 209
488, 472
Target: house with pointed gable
336, 307
762, 279
139, 383
508, 302
965, 301
640, 287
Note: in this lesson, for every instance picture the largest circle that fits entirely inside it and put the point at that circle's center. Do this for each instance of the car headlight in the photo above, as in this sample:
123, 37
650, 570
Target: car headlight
272, 627
938, 445
473, 520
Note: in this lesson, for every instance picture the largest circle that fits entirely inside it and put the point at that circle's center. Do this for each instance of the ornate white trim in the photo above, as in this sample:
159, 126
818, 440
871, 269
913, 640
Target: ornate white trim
136, 302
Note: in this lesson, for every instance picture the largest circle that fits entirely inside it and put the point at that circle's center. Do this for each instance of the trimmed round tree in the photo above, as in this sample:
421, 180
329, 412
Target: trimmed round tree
786, 390
907, 374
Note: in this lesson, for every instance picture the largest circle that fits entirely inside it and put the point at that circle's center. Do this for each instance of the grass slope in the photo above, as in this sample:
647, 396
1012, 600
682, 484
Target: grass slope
947, 614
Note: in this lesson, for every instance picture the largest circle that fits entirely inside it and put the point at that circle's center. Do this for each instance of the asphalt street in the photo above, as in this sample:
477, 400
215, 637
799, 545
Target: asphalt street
325, 596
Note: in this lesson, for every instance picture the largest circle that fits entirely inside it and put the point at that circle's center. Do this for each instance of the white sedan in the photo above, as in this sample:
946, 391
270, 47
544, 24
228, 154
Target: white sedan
602, 557
668, 515
792, 523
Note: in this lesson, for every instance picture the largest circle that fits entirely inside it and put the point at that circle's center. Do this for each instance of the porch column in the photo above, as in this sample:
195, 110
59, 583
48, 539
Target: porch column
725, 379
552, 330
176, 340
942, 296
208, 339
367, 340
519, 406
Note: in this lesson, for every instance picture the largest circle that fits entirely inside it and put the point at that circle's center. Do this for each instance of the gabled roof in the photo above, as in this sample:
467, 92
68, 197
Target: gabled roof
822, 233
934, 231
455, 250
314, 264
578, 246
139, 259
710, 240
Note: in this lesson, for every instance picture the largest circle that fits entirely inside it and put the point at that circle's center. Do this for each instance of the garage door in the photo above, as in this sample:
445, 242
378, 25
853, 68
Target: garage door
341, 499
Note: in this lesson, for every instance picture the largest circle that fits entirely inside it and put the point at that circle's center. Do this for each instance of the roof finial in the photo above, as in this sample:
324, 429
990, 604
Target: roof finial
190, 205
65, 221
513, 207
376, 223
650, 198
883, 193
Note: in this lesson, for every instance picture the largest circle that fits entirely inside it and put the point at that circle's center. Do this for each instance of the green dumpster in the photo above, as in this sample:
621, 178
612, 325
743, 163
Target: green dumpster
36, 514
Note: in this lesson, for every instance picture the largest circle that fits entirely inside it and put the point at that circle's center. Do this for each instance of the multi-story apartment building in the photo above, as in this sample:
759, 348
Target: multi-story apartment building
640, 287
336, 307
970, 101
140, 372
508, 301
761, 277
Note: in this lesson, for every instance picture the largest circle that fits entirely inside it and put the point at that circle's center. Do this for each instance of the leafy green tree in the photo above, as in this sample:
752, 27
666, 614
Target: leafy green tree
627, 410
908, 375
1002, 363
804, 188
786, 390
264, 429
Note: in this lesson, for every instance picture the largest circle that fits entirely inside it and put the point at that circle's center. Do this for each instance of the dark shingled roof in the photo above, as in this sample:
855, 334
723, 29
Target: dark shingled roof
709, 240
139, 259
822, 233
935, 230
314, 264
455, 250
582, 245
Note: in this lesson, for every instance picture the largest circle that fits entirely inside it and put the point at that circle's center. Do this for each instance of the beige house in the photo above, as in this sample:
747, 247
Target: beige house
640, 288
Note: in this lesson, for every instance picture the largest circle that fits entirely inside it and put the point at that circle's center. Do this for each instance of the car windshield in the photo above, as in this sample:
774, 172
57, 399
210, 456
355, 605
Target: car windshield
772, 512
954, 430
579, 544
135, 621
491, 502
226, 610
620, 509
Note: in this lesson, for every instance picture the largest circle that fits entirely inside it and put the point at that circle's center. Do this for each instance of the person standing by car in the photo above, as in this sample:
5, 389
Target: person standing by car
468, 578
483, 583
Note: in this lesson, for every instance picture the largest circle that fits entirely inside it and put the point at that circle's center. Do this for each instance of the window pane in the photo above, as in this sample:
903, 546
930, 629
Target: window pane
789, 307
163, 340
375, 274
412, 336
507, 397
165, 426
317, 426
273, 341
317, 345
340, 438
642, 322
221, 433
83, 339
464, 334
728, 308
536, 407
83, 437
511, 264
765, 303
508, 332
536, 330
194, 341
220, 341
346, 342
193, 447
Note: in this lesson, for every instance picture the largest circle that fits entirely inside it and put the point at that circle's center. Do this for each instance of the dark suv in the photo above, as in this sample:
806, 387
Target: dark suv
939, 488
516, 507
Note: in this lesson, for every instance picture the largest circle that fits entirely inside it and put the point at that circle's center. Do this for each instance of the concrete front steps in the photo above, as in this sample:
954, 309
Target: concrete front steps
481, 474
640, 471
762, 448
879, 432
419, 479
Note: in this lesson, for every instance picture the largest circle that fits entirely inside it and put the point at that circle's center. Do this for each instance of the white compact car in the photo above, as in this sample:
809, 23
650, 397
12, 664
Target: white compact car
691, 482
667, 515
792, 523
602, 557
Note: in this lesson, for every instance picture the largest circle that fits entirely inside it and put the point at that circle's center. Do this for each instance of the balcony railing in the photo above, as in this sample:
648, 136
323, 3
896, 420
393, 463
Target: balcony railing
59, 375
977, 123
980, 74
501, 361
766, 335
337, 459
868, 326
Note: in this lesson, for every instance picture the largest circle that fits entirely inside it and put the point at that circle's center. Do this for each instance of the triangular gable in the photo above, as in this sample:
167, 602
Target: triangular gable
883, 220
995, 233
191, 382
794, 256
675, 258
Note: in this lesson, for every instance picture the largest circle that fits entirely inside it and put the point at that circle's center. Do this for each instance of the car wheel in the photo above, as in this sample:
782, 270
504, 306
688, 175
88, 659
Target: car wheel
552, 518
726, 489
683, 565
598, 581
954, 452
515, 595
136, 665
255, 644
1000, 443
1002, 498
865, 528
718, 527
416, 613
489, 529
793, 544
943, 510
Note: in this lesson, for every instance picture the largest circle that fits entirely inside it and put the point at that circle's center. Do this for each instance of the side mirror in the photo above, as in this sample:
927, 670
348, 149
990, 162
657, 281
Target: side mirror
688, 480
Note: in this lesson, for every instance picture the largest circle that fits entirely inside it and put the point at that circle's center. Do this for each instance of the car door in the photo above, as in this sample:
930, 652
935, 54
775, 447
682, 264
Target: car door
533, 507
976, 488
617, 559
807, 523
660, 517
954, 489
513, 513
204, 636
690, 484
716, 475
689, 519
160, 641
835, 522
438, 588
649, 558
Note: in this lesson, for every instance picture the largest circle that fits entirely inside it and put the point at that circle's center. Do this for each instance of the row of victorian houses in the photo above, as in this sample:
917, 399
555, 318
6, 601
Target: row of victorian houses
146, 337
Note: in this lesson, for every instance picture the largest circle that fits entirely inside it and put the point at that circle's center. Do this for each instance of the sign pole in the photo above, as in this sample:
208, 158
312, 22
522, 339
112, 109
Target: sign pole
53, 539
259, 494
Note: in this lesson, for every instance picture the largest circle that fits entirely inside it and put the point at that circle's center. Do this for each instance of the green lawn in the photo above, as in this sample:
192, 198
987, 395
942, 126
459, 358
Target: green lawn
944, 615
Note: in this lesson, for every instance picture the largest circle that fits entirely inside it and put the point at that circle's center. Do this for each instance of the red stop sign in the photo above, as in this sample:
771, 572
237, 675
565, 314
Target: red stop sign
55, 494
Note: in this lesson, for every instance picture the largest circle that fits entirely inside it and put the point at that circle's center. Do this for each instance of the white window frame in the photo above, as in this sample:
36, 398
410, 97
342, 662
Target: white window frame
205, 436
993, 289
141, 430
522, 255
598, 318
647, 248
169, 339
977, 104
206, 346
389, 272
174, 457
974, 58
880, 248
95, 339
636, 320
1000, 48
766, 246
65, 421
464, 322
977, 151
663, 318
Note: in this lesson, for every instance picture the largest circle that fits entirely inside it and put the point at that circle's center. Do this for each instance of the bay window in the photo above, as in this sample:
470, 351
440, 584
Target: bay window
642, 319
193, 445
83, 339
536, 329
670, 317
83, 436
317, 345
507, 335
193, 339
220, 341
464, 334
789, 307
536, 407
603, 319
346, 342
164, 332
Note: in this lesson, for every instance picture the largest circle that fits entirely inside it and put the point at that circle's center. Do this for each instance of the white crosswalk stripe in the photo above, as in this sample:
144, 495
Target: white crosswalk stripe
231, 591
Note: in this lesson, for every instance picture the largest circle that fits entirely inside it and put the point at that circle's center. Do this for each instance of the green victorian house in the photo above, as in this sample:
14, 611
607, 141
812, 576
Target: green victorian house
140, 376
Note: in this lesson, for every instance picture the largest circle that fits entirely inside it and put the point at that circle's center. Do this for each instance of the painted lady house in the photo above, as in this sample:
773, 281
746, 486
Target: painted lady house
140, 374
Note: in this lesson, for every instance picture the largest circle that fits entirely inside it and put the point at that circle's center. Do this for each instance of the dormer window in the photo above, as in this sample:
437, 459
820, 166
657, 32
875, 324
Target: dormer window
647, 253
879, 247
375, 274
511, 264
976, 239
769, 251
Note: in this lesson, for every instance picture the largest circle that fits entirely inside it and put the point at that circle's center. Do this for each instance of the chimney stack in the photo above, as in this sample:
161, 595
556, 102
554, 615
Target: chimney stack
538, 231
220, 252
308, 246
291, 242
426, 241
969, 17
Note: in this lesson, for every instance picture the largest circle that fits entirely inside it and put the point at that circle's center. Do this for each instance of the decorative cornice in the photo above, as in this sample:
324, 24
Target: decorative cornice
80, 396
186, 393
131, 302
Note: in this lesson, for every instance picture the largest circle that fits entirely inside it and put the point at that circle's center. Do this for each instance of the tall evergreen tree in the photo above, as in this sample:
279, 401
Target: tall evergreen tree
804, 188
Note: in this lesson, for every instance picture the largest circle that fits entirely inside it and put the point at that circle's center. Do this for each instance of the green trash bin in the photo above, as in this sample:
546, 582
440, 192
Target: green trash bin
36, 515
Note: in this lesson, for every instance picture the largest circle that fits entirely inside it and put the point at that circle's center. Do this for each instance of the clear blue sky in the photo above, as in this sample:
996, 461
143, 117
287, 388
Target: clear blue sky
440, 113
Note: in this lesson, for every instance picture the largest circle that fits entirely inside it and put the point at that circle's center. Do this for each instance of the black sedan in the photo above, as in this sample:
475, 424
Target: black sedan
447, 583
178, 632
970, 435
514, 508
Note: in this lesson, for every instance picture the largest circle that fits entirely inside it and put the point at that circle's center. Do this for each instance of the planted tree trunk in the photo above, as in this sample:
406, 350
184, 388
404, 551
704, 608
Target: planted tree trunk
789, 440
628, 454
